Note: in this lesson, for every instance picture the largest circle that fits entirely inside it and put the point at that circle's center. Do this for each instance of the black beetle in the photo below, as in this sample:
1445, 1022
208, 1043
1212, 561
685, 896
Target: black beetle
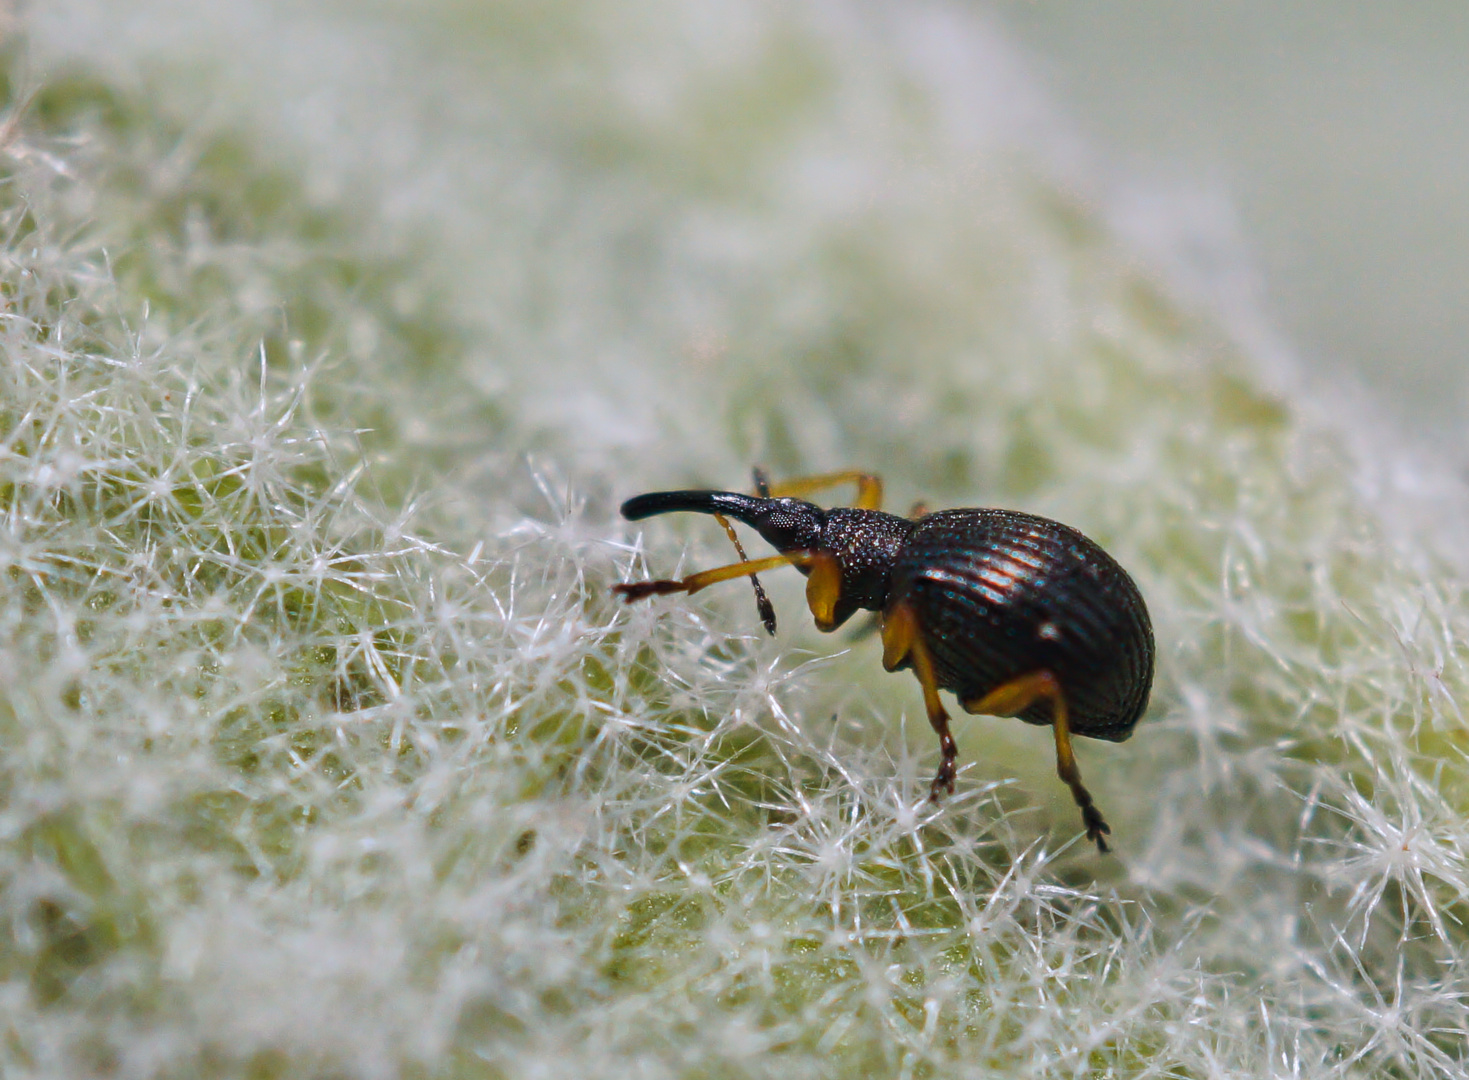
1017, 615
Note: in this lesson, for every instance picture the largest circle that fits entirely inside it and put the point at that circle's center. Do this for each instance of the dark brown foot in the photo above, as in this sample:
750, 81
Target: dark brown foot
641, 590
1091, 817
943, 781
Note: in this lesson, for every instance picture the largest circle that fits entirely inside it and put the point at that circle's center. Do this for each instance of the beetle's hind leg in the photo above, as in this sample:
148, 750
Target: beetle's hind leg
901, 642
1012, 699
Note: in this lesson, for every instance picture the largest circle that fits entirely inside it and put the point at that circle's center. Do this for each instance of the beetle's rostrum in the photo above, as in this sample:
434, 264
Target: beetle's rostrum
1015, 614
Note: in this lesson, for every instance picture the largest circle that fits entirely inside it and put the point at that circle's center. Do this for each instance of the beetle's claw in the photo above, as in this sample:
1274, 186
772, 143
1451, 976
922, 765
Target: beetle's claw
1095, 827
943, 783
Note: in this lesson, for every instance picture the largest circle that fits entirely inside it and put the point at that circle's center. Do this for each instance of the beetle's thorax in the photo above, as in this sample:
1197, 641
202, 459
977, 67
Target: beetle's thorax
865, 544
862, 543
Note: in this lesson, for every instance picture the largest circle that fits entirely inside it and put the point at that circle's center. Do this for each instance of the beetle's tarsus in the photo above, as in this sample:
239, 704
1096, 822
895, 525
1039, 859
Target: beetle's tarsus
632, 591
943, 781
1095, 827
1091, 817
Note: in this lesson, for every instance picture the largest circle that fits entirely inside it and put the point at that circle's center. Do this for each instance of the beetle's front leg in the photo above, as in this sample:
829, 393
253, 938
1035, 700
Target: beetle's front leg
641, 590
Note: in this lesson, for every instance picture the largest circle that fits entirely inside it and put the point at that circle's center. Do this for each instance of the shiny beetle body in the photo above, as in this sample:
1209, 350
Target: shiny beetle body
999, 594
1015, 614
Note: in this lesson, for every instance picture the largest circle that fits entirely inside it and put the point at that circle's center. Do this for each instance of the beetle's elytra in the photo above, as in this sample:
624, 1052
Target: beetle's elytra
1015, 614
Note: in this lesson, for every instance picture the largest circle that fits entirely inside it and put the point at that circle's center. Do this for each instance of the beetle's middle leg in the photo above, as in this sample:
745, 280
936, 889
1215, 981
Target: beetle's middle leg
901, 642
1017, 695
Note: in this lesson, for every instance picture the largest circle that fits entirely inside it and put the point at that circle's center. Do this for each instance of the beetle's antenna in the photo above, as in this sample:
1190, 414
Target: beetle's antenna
762, 602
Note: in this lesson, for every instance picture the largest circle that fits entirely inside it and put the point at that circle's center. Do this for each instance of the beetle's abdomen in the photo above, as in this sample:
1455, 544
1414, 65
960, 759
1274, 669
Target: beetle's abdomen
999, 595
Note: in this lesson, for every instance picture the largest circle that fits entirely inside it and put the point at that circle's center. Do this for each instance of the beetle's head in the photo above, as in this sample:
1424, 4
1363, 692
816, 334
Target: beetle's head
845, 553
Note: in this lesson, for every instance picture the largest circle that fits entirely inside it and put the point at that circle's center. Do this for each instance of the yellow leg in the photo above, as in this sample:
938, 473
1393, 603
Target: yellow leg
639, 590
901, 641
1013, 698
869, 487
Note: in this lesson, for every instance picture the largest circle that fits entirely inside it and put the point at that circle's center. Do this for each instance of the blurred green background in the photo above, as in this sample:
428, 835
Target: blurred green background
334, 336
1324, 146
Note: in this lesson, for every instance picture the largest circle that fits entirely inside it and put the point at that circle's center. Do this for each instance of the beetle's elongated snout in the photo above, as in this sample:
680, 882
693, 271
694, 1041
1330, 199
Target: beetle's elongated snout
785, 524
729, 503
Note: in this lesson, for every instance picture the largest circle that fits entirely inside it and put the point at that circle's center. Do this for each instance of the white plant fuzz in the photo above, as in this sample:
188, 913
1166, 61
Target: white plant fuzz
327, 751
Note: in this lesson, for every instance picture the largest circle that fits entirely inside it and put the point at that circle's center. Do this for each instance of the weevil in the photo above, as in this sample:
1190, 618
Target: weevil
1015, 614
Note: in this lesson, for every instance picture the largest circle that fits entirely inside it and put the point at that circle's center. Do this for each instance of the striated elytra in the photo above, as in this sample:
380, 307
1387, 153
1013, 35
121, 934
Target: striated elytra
1016, 615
